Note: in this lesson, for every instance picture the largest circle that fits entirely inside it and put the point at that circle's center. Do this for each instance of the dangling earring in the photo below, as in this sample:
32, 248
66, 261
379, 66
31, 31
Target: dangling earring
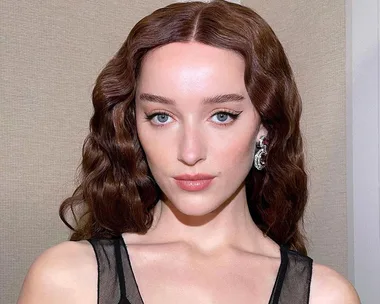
261, 153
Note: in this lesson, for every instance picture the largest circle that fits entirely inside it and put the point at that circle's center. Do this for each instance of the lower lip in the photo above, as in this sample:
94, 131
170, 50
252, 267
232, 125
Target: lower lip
193, 185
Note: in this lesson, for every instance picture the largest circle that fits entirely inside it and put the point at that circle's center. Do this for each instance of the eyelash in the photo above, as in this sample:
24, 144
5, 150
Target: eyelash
233, 115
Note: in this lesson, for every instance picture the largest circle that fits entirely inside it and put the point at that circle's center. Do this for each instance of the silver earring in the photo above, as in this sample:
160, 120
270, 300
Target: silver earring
261, 153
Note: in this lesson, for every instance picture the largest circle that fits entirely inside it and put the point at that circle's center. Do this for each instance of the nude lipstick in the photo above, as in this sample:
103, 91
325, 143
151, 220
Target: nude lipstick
195, 182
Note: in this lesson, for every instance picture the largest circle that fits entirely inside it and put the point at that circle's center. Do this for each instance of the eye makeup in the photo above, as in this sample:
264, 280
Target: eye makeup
233, 115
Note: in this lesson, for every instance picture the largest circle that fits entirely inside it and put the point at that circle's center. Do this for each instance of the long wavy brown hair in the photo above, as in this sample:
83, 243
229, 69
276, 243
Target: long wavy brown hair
117, 191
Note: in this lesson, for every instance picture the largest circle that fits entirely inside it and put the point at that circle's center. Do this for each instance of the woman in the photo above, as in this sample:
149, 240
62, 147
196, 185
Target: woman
193, 184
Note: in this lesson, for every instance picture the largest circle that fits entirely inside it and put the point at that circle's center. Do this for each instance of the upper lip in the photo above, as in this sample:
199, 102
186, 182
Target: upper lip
199, 176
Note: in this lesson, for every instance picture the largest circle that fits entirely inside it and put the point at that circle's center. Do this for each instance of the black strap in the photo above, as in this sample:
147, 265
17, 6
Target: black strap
281, 274
119, 269
94, 246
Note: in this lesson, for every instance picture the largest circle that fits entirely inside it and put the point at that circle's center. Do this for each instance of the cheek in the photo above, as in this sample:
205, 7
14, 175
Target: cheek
238, 154
155, 148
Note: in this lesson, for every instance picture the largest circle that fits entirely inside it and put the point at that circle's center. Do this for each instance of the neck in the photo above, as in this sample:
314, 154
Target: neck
230, 225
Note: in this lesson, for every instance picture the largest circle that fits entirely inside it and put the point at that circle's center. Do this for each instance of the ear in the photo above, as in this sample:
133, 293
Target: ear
261, 132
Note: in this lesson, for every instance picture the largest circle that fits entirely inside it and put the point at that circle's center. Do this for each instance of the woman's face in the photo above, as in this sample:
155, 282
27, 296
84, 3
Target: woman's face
194, 116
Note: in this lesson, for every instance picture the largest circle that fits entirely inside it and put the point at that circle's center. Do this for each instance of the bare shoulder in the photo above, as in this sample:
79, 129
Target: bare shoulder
330, 287
65, 273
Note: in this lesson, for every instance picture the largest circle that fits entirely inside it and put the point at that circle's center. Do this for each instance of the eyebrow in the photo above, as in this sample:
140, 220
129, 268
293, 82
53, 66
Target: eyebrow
208, 100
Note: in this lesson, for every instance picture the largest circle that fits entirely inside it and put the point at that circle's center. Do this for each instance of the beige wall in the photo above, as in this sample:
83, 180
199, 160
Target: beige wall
51, 53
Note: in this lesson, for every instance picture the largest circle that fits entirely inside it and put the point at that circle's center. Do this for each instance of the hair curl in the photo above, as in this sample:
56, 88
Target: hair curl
117, 191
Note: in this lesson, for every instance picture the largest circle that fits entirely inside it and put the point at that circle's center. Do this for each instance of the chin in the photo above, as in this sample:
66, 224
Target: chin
195, 210
194, 206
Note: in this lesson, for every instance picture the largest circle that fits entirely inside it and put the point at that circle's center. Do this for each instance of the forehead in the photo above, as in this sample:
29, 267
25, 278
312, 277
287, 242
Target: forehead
191, 67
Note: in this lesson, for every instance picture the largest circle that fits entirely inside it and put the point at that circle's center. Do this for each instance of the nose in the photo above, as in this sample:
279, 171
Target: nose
192, 148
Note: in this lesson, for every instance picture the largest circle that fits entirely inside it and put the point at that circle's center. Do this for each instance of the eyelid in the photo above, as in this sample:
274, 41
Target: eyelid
226, 111
157, 113
214, 112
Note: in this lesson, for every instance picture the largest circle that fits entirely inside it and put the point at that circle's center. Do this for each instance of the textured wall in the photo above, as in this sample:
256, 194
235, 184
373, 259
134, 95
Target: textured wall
51, 52
313, 35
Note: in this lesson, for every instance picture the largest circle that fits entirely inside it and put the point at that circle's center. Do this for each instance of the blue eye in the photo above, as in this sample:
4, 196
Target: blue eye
159, 118
162, 118
222, 117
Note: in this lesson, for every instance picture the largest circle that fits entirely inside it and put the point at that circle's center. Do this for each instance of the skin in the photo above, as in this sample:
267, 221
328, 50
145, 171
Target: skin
203, 245
200, 141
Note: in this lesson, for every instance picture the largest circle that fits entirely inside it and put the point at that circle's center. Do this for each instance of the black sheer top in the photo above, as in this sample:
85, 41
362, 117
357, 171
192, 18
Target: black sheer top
117, 283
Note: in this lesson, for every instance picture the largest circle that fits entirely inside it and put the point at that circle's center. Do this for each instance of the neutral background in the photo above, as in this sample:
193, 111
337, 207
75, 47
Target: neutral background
51, 53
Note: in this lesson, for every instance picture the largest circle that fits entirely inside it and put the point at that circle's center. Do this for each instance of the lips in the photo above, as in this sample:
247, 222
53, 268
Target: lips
195, 182
194, 177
